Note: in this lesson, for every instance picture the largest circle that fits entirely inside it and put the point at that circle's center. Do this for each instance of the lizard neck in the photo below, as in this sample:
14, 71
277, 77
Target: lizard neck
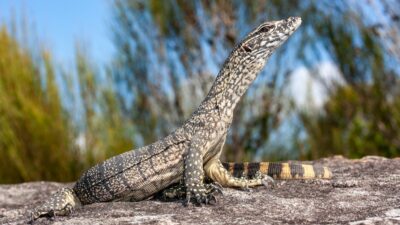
235, 77
242, 67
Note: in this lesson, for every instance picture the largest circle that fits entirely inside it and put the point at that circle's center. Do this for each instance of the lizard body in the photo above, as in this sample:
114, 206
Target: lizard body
189, 153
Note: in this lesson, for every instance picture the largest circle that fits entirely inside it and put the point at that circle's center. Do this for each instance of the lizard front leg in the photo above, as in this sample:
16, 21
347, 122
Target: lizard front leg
59, 204
177, 191
194, 174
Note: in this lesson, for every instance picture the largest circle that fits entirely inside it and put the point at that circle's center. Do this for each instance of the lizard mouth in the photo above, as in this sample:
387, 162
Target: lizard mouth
269, 35
293, 22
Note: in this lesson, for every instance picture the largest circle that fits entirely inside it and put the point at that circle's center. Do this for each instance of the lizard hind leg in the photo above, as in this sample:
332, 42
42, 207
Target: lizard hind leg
216, 171
174, 192
59, 204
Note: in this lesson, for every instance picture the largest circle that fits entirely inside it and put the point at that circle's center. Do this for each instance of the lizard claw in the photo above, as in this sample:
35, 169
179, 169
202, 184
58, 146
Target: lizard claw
187, 200
214, 188
268, 181
212, 200
246, 189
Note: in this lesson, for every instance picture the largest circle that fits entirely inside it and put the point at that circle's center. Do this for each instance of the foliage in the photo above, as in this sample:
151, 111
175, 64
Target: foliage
39, 139
355, 121
361, 116
33, 128
141, 62
106, 133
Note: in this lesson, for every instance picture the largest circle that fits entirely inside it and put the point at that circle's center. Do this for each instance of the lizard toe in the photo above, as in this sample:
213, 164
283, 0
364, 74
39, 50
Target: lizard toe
214, 188
174, 192
206, 199
246, 189
268, 181
211, 199
187, 200
199, 199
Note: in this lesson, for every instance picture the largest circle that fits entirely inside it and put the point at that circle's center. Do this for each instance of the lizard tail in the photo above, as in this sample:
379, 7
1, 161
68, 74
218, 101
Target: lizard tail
59, 204
278, 170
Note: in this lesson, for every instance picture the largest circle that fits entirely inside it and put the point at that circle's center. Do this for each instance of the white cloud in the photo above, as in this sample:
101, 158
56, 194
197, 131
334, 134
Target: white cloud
309, 87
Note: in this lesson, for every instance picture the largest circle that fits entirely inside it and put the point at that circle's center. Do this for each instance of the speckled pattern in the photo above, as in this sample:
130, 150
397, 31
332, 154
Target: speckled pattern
362, 191
192, 151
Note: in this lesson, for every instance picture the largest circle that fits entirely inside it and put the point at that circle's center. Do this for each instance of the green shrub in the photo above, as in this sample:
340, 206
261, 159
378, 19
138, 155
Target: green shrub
35, 136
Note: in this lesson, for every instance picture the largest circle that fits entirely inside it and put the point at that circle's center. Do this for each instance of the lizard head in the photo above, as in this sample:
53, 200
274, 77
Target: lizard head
259, 44
247, 60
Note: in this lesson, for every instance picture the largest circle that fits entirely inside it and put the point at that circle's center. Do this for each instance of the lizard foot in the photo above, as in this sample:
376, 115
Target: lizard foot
200, 196
60, 204
266, 181
174, 192
260, 179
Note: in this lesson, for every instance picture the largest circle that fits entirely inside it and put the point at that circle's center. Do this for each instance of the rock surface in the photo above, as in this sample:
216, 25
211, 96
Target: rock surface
364, 191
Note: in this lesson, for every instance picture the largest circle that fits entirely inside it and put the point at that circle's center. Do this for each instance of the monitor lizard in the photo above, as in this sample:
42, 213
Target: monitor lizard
192, 151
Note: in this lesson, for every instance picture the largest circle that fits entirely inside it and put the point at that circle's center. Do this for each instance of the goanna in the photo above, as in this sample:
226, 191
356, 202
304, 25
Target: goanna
191, 152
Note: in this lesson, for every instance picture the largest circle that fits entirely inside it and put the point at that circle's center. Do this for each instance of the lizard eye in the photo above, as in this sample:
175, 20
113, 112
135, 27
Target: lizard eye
266, 28
246, 48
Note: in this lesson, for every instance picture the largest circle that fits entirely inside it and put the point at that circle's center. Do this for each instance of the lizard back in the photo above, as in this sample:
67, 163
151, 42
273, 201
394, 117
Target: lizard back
133, 175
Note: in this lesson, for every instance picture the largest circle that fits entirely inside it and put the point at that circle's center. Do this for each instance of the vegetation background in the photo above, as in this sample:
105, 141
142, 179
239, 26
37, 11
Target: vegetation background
333, 88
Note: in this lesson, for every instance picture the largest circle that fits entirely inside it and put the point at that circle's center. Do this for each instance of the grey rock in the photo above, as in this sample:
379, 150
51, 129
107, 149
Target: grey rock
362, 191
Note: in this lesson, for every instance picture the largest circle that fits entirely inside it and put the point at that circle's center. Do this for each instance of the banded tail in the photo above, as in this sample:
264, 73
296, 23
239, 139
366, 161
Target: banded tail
278, 170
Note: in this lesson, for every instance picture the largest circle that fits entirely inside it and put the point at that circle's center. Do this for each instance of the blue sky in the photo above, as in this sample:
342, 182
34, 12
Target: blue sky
60, 24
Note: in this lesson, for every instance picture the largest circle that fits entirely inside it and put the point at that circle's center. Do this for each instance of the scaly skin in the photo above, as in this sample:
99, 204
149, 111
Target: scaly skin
278, 170
251, 170
189, 153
